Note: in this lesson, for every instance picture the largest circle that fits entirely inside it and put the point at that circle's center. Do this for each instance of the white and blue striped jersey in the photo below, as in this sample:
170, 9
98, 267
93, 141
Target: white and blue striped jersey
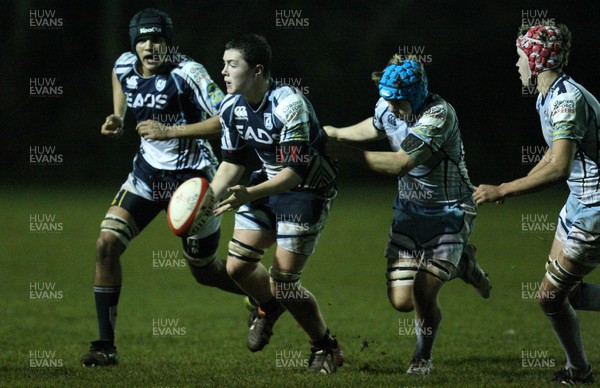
184, 95
569, 111
283, 130
443, 178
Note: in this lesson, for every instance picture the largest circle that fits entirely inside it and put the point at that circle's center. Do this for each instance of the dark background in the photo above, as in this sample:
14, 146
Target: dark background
471, 46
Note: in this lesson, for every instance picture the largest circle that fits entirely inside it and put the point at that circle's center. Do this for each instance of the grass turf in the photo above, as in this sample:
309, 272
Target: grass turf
502, 341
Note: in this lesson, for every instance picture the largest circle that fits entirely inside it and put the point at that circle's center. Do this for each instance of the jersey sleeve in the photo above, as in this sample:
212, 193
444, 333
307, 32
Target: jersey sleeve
206, 94
563, 116
380, 108
124, 63
430, 127
293, 111
232, 144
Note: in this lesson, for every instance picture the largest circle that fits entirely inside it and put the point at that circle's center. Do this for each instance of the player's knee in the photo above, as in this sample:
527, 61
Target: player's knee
401, 300
242, 259
108, 248
400, 278
285, 285
115, 235
200, 254
558, 283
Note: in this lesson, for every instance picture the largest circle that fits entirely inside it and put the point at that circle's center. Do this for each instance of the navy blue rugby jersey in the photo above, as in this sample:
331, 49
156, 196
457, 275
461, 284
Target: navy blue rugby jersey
185, 94
284, 131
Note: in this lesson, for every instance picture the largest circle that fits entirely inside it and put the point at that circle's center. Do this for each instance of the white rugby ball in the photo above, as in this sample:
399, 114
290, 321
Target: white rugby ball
191, 207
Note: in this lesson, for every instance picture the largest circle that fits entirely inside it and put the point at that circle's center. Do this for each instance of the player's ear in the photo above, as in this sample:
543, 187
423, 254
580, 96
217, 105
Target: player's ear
259, 70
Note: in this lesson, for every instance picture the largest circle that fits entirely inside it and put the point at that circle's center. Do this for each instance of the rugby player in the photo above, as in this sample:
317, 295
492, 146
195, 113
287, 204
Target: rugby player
286, 201
570, 121
170, 96
434, 210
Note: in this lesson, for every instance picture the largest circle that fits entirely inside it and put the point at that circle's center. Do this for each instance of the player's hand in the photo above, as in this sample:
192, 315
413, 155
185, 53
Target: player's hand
112, 127
239, 196
331, 131
153, 130
488, 193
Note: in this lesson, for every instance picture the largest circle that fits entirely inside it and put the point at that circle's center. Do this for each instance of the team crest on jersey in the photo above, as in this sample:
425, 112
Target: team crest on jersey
240, 113
160, 84
132, 82
268, 121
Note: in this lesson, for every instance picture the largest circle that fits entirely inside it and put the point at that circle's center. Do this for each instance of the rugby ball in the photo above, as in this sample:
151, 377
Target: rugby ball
191, 207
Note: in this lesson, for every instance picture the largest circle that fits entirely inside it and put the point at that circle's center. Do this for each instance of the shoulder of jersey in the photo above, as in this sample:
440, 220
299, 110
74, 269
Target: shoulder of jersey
192, 69
283, 90
436, 103
126, 59
229, 101
381, 104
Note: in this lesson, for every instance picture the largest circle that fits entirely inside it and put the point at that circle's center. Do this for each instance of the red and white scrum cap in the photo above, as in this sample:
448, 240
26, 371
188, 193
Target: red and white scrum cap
545, 48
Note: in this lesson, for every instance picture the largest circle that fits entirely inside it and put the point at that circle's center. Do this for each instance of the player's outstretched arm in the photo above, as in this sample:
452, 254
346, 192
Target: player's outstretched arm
363, 131
556, 169
542, 162
154, 130
113, 125
285, 180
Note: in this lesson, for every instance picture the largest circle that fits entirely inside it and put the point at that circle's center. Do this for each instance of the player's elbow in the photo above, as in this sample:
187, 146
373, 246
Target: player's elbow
561, 173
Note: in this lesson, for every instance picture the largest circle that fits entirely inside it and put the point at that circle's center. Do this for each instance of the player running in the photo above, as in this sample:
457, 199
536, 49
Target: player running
286, 202
434, 211
570, 120
170, 95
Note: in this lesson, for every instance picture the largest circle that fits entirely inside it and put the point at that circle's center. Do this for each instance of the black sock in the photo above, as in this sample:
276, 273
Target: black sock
327, 342
270, 306
107, 299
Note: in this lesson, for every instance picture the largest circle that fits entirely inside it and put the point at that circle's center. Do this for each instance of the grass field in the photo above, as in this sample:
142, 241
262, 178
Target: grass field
173, 332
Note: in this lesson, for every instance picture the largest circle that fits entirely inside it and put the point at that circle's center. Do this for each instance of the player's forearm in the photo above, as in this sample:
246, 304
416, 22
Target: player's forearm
546, 176
207, 129
558, 161
389, 163
227, 175
363, 131
119, 99
285, 180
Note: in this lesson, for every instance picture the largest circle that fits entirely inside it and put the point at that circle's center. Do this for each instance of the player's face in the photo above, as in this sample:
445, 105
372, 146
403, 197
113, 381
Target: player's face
401, 109
151, 52
523, 67
239, 76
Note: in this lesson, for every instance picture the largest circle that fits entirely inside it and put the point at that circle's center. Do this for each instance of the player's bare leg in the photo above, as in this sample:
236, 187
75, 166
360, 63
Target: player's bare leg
285, 286
243, 266
326, 355
428, 316
117, 229
248, 272
200, 253
400, 277
215, 275
562, 276
585, 296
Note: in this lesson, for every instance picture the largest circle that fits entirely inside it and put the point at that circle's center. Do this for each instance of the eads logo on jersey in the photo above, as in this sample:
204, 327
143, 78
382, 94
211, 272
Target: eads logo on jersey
149, 100
259, 135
